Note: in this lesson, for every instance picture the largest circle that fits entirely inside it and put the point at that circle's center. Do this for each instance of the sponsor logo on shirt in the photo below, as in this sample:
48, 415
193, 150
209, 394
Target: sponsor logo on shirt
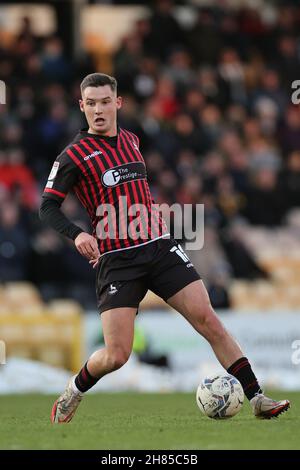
94, 154
123, 174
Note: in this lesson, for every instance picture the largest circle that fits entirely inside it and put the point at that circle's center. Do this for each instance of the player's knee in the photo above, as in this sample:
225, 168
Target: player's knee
210, 325
117, 358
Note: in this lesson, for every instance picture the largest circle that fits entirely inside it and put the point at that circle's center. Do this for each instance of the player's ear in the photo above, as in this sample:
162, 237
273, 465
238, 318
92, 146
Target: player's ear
81, 106
119, 102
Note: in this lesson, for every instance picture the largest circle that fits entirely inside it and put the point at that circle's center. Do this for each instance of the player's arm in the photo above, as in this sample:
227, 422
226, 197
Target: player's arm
62, 178
51, 214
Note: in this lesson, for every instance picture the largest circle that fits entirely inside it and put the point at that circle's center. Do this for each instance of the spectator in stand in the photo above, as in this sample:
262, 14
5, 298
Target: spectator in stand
14, 243
17, 178
164, 29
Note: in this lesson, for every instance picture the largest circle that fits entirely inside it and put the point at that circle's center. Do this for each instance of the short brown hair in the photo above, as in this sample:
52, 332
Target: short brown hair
98, 79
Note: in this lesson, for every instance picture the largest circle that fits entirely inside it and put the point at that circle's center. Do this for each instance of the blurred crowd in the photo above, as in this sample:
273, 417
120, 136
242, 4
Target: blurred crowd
211, 104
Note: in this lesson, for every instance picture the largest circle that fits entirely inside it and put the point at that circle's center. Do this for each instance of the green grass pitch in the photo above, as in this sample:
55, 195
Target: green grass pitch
142, 421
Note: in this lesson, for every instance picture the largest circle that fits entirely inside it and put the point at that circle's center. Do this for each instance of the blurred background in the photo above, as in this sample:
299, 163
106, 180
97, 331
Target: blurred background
207, 87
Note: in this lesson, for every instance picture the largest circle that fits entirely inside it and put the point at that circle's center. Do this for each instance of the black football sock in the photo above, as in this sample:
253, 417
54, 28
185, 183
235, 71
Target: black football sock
241, 369
84, 380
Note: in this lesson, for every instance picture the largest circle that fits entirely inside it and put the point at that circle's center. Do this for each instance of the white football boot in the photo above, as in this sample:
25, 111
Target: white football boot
66, 405
266, 408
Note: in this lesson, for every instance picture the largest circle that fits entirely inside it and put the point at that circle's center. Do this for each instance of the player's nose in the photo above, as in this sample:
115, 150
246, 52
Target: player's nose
98, 109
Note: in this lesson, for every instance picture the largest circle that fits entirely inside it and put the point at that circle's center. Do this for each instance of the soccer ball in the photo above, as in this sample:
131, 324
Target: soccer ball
220, 396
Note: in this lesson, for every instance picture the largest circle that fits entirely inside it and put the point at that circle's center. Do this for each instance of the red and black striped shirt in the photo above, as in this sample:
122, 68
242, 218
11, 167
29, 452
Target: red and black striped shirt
108, 175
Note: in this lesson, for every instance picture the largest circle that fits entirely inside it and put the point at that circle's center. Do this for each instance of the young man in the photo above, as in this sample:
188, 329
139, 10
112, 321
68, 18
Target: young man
104, 167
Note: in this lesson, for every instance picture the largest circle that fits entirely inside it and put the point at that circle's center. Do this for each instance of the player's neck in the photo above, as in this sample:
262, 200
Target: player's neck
111, 133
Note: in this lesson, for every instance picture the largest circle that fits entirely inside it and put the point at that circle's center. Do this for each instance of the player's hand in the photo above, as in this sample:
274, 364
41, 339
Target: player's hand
87, 246
94, 262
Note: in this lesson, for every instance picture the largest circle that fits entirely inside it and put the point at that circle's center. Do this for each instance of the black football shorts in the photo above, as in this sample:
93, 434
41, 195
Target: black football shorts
123, 277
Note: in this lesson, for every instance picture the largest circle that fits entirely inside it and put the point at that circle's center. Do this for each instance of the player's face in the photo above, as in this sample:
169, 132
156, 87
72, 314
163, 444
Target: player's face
100, 105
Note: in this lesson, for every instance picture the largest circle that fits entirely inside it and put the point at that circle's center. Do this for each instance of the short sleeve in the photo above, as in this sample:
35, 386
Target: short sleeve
135, 138
63, 176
